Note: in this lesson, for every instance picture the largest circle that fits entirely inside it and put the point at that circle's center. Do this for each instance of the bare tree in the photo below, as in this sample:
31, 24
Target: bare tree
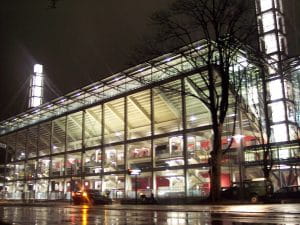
257, 113
225, 26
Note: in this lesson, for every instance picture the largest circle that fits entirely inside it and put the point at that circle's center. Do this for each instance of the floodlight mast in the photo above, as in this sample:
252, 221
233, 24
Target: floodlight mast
273, 42
36, 88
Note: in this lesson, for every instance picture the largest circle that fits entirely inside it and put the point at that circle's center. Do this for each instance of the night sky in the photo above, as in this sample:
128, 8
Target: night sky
78, 42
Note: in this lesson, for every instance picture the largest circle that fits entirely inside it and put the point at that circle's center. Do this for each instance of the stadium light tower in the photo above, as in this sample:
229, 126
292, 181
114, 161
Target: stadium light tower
273, 42
36, 86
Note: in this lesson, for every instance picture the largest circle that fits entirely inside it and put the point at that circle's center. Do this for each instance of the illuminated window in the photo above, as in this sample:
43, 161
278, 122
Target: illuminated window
270, 43
275, 89
37, 91
38, 68
37, 80
265, 4
268, 21
279, 132
278, 114
284, 153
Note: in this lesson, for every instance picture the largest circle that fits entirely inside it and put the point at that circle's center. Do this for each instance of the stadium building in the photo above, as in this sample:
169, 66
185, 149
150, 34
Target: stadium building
147, 118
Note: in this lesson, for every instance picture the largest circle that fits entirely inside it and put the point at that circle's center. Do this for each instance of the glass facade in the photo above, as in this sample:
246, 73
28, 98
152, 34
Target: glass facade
162, 129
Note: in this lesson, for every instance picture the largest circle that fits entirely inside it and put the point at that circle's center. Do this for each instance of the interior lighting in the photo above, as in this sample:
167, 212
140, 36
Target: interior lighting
270, 43
253, 95
36, 87
268, 21
275, 89
284, 154
279, 132
259, 179
141, 69
62, 100
278, 111
38, 68
193, 118
238, 137
169, 59
266, 4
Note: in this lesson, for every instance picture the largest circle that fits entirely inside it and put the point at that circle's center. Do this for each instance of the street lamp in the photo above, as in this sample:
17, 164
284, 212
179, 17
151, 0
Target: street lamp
135, 172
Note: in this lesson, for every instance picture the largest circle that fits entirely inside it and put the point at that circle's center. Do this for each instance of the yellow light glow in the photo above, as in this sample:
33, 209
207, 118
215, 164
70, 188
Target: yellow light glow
85, 215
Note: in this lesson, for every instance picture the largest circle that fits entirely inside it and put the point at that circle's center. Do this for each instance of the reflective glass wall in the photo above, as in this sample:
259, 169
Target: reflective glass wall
161, 131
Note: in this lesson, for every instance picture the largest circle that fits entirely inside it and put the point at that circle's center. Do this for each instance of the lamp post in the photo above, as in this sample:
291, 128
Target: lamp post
135, 172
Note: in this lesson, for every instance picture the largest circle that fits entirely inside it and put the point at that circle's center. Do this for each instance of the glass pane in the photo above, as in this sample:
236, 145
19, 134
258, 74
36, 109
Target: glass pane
139, 115
43, 167
114, 186
198, 182
57, 167
169, 183
11, 146
21, 145
19, 171
58, 135
41, 189
30, 169
167, 108
10, 171
32, 142
44, 138
114, 121
93, 126
196, 112
114, 158
93, 182
56, 189
168, 151
92, 161
73, 164
140, 185
139, 155
74, 132
198, 147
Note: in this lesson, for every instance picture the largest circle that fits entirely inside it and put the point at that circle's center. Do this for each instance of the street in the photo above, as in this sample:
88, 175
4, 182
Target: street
63, 213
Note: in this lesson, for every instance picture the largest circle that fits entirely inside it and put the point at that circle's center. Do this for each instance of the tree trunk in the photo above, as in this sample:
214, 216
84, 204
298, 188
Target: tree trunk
215, 165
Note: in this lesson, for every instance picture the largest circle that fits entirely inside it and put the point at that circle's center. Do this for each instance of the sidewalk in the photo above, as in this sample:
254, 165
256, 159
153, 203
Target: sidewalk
220, 208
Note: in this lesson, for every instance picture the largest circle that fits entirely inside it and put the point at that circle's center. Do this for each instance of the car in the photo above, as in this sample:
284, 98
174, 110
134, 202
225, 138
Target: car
254, 190
291, 193
90, 196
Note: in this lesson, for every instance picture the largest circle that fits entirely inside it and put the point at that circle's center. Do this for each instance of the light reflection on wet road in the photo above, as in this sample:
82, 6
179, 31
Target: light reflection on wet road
131, 215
